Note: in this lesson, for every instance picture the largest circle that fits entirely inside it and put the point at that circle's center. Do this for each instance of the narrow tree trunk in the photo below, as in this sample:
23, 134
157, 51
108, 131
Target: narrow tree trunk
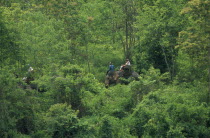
88, 62
172, 63
166, 61
126, 36
1, 60
209, 73
113, 31
86, 45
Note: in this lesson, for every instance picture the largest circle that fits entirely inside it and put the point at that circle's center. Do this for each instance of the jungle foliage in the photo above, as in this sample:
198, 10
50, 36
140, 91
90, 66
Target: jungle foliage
69, 44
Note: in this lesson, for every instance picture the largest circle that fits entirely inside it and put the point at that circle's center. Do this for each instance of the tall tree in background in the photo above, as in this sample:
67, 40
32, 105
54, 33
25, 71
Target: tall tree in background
9, 52
129, 9
42, 40
195, 39
158, 25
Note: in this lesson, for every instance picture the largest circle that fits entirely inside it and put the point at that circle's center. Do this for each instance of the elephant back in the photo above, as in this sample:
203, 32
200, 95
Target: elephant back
127, 68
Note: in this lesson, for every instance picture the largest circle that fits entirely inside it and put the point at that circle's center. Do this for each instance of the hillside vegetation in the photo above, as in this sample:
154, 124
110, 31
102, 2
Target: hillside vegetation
69, 44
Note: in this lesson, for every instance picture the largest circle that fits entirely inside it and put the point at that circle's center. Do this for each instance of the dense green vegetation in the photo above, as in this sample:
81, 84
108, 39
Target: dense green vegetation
69, 44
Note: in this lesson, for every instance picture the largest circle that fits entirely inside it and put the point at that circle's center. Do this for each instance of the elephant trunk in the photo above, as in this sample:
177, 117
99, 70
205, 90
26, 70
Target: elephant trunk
107, 82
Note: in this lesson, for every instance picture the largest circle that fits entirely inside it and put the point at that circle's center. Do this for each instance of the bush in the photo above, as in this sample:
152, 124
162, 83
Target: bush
61, 121
171, 112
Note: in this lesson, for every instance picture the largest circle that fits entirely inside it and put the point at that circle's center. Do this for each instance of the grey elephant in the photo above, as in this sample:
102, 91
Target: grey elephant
121, 76
112, 77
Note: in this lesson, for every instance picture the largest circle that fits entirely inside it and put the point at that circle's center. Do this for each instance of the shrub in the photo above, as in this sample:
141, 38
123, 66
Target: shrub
171, 112
61, 121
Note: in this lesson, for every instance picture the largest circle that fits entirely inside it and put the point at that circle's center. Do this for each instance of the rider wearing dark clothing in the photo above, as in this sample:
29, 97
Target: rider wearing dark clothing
111, 67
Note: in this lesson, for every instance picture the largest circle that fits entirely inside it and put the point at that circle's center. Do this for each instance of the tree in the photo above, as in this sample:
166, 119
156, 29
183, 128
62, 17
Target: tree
158, 26
9, 48
39, 37
195, 39
61, 121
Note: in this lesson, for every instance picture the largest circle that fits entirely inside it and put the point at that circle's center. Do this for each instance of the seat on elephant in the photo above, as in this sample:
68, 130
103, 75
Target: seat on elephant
127, 71
127, 68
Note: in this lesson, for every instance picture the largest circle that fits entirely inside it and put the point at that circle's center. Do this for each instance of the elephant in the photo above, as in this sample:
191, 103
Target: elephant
28, 80
111, 78
115, 77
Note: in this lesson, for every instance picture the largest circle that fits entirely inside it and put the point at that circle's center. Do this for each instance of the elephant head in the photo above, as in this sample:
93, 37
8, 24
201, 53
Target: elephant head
112, 77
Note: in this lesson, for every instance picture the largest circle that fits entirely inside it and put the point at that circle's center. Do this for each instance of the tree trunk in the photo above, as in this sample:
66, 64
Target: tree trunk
126, 33
166, 61
209, 72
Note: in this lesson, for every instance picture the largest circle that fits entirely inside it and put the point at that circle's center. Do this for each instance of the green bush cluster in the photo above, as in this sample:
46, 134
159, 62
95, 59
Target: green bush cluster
171, 112
69, 44
77, 105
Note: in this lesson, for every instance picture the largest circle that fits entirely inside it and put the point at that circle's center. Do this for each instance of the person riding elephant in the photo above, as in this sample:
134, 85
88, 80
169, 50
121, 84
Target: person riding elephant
29, 75
127, 62
111, 68
127, 65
